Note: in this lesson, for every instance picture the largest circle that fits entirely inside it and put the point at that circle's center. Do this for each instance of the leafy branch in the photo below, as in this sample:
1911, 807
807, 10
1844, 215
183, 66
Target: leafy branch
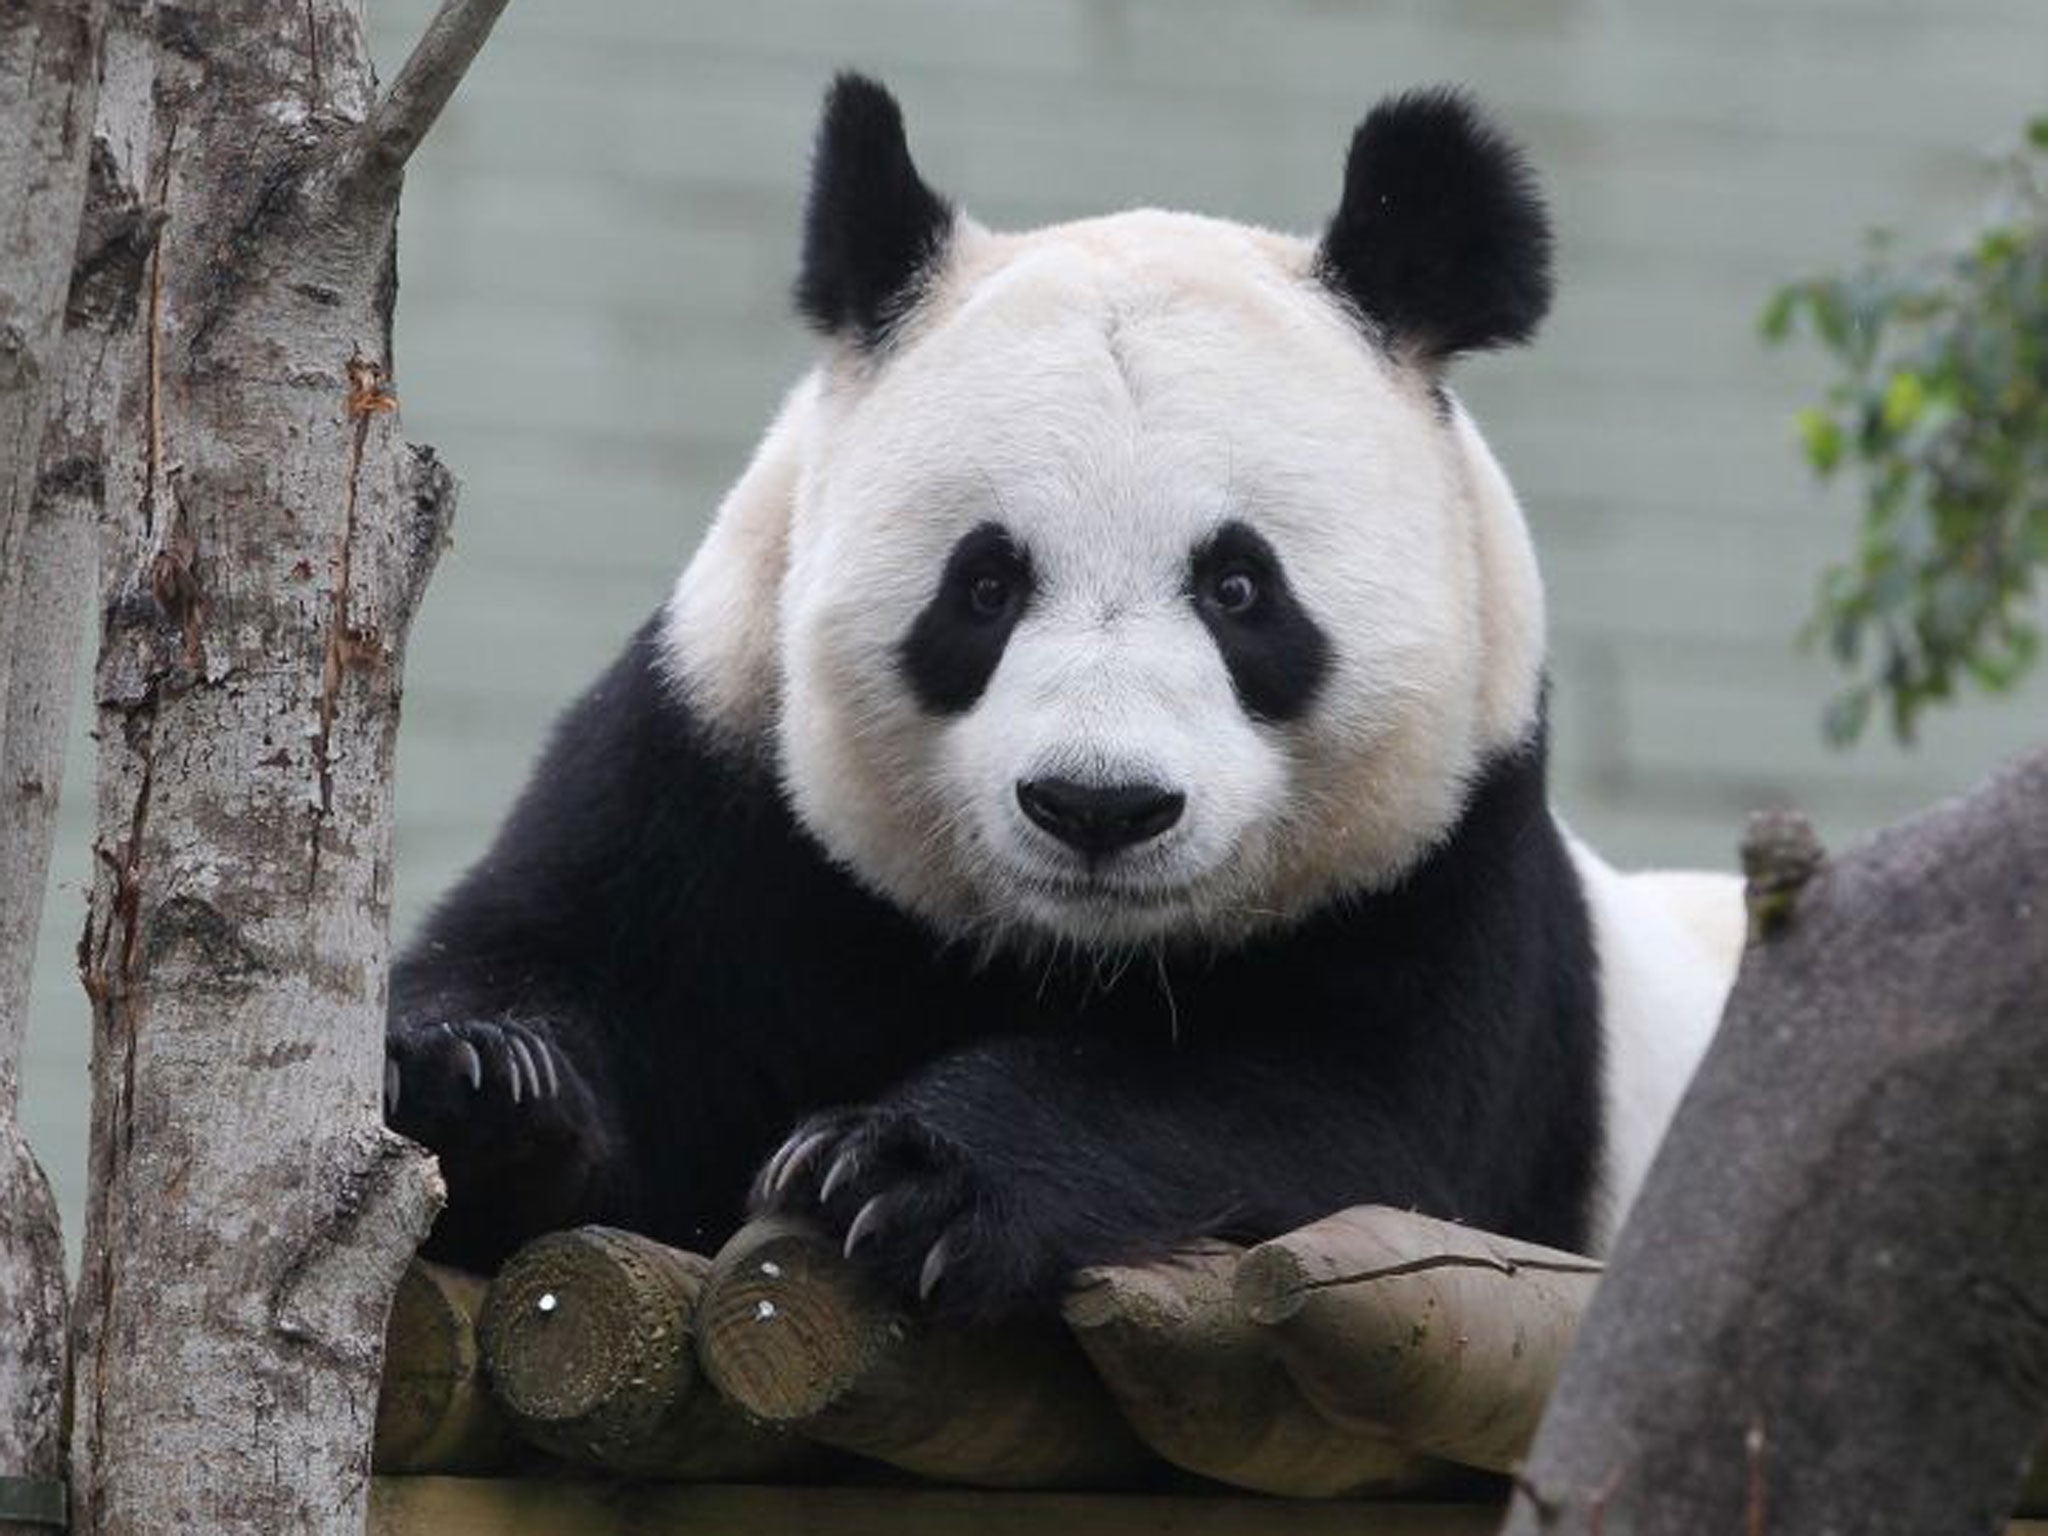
1940, 402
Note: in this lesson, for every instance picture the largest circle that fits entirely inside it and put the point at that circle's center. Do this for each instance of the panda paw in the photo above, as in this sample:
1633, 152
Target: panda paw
459, 1087
911, 1206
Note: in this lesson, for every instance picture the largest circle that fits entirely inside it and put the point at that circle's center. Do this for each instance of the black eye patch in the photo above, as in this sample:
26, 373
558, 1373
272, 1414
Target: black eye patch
1276, 654
952, 649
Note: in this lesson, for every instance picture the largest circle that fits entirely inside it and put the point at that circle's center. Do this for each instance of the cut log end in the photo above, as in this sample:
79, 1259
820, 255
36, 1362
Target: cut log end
584, 1328
788, 1327
435, 1413
1272, 1284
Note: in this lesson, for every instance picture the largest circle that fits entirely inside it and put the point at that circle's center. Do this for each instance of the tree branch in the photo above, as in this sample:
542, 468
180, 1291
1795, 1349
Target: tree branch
439, 61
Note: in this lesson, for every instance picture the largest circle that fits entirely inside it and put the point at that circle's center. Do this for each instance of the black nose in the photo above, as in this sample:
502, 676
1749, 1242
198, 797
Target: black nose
1099, 820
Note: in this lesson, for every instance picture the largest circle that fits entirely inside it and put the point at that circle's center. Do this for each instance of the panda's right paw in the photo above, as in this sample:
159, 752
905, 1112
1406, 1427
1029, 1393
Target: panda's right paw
458, 1087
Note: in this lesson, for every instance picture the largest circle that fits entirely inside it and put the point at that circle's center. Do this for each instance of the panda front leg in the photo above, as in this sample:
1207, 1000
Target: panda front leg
982, 1184
520, 1128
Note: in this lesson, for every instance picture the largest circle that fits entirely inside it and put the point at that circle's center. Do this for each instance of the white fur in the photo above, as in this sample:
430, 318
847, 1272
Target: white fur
719, 629
1111, 391
1668, 946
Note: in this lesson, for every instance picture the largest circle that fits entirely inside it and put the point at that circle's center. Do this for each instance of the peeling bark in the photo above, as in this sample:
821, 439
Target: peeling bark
1829, 1310
266, 540
48, 82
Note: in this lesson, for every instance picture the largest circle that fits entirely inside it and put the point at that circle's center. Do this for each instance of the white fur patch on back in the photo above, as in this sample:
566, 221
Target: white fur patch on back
1666, 965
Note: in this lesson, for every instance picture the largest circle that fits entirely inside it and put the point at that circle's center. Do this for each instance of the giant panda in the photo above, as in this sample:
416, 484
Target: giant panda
1088, 789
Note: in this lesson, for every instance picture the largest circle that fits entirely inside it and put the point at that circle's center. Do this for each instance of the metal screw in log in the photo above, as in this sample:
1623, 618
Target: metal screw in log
796, 1335
1447, 1338
1201, 1383
435, 1412
588, 1338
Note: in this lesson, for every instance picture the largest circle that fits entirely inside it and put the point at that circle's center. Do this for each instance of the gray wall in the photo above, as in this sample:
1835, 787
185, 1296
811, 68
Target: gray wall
597, 243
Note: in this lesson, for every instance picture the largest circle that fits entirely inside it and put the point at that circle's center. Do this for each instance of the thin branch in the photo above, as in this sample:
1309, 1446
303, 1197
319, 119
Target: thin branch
442, 57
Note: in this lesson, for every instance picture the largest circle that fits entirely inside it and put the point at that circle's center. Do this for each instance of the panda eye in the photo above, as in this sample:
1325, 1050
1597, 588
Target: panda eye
988, 595
1235, 592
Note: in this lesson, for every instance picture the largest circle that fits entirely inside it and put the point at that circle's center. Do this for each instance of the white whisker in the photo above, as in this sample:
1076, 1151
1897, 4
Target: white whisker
1166, 987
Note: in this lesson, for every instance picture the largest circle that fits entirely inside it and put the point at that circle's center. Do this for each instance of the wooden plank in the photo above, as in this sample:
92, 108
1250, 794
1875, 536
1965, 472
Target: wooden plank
454, 1506
450, 1506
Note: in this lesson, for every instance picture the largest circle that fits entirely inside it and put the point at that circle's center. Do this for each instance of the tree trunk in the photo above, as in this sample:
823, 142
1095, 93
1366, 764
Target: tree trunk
267, 537
49, 52
1829, 1311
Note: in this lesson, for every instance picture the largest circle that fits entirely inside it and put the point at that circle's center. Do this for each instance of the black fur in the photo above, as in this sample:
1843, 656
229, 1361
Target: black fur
956, 641
1441, 239
706, 980
1277, 655
872, 229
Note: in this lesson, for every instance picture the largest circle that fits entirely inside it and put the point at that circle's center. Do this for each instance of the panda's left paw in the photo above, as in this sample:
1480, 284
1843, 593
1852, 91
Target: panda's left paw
913, 1207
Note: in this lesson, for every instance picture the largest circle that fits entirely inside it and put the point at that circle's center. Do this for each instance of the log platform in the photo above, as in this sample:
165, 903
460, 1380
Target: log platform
1375, 1371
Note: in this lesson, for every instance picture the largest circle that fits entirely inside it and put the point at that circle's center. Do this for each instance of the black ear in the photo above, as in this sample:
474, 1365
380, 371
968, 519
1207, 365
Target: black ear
1442, 240
872, 228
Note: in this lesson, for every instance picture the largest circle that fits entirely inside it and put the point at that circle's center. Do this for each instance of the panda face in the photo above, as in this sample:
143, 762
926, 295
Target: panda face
1131, 596
1136, 579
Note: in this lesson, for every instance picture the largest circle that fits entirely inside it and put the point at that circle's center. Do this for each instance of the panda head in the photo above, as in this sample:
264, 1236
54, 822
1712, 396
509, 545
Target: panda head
1135, 579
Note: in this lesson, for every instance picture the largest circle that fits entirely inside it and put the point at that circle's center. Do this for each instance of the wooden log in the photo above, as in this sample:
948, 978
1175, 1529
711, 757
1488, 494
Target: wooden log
796, 1335
435, 1412
1204, 1388
588, 1337
1446, 1338
451, 1506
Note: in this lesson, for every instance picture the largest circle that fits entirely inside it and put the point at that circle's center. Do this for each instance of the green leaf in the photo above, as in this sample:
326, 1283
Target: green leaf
1995, 674
2037, 133
1776, 321
1822, 439
1904, 399
1996, 247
